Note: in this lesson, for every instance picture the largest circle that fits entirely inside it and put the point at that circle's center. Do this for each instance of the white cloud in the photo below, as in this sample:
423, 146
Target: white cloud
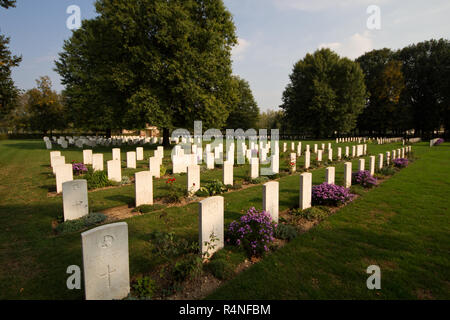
353, 47
318, 5
239, 50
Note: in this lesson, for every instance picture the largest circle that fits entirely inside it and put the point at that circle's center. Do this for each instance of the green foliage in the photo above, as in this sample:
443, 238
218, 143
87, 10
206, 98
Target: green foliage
45, 111
213, 188
125, 180
186, 268
387, 171
144, 287
8, 91
96, 179
285, 232
221, 269
316, 213
162, 170
244, 110
82, 223
7, 3
167, 63
175, 192
259, 180
149, 208
167, 245
326, 94
385, 83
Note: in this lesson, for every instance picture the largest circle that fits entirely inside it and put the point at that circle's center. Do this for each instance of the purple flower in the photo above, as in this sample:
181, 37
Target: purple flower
252, 231
401, 162
439, 141
330, 194
79, 168
364, 178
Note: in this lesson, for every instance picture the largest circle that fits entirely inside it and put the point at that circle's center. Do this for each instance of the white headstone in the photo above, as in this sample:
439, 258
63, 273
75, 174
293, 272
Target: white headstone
64, 173
254, 168
114, 170
372, 165
228, 173
139, 154
211, 219
154, 167
106, 262
361, 163
75, 199
97, 162
143, 188
270, 199
307, 159
347, 174
87, 156
305, 190
116, 154
330, 175
131, 160
193, 178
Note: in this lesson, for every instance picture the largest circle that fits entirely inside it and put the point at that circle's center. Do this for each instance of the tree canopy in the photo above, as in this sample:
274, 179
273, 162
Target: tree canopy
43, 107
385, 83
244, 111
326, 94
167, 63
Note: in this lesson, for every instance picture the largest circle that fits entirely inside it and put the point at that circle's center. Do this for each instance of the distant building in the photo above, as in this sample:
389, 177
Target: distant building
148, 132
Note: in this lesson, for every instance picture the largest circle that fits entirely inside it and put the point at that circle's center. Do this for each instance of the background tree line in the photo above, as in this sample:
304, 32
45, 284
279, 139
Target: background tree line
167, 64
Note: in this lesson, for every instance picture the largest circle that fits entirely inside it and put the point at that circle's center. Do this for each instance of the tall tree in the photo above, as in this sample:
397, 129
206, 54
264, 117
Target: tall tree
244, 109
162, 62
426, 68
44, 108
7, 3
384, 82
326, 94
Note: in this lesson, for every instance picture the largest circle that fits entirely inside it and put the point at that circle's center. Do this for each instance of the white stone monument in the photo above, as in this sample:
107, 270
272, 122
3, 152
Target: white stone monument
75, 199
106, 262
270, 199
143, 188
211, 219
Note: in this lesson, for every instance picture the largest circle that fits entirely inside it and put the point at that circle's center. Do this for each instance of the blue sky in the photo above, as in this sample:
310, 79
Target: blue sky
273, 34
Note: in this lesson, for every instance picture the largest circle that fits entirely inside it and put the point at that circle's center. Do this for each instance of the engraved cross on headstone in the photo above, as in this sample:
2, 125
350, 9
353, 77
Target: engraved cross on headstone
108, 275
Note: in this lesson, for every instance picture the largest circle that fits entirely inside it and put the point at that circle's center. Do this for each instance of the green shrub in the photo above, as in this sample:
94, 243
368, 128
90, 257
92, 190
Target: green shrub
166, 245
149, 208
314, 213
82, 223
97, 179
387, 171
285, 232
144, 287
162, 170
260, 180
125, 180
213, 188
188, 267
221, 269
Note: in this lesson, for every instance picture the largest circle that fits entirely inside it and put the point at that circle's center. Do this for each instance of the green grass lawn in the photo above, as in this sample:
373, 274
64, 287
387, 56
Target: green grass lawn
401, 225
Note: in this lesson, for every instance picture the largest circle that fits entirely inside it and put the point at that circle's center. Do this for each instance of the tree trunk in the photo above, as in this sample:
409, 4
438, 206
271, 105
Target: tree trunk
108, 133
166, 137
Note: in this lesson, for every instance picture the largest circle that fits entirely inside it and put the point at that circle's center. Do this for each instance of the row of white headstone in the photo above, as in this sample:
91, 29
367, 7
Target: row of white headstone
81, 141
105, 248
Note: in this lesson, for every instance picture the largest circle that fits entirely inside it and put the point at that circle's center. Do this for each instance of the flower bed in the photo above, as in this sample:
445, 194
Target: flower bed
364, 179
401, 162
330, 194
253, 232
79, 168
439, 141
